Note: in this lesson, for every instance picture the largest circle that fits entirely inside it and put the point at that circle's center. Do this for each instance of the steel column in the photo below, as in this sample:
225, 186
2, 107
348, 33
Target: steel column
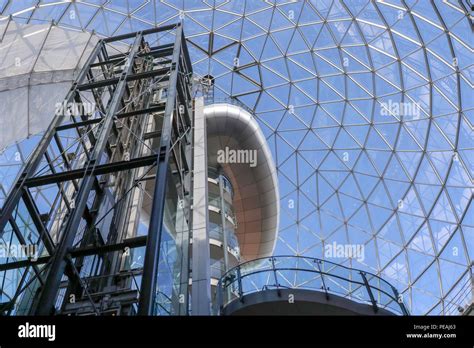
223, 218
152, 252
30, 168
48, 294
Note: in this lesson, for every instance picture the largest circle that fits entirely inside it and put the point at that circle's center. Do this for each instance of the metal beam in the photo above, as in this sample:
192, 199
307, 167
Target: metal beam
135, 242
48, 294
156, 52
158, 108
30, 168
131, 77
97, 170
35, 216
23, 263
152, 253
88, 122
82, 188
143, 33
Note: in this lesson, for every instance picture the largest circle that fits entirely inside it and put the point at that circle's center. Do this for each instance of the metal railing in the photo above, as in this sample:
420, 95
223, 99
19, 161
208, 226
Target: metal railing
298, 272
460, 300
209, 100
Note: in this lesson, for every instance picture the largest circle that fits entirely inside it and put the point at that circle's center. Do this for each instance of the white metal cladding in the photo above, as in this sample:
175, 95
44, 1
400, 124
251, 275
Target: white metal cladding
256, 197
37, 66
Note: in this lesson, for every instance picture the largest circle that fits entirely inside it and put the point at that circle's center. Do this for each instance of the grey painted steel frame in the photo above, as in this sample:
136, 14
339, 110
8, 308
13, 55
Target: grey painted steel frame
58, 265
18, 191
152, 254
58, 260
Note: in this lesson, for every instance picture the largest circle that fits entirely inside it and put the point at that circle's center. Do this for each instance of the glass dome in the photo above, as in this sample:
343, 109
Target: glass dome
367, 107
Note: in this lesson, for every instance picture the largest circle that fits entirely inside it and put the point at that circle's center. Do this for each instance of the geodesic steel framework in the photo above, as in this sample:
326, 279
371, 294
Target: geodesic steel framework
322, 78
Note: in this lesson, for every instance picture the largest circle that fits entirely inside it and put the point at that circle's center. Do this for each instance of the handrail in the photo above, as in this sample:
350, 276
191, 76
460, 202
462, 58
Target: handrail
210, 100
313, 259
456, 304
248, 277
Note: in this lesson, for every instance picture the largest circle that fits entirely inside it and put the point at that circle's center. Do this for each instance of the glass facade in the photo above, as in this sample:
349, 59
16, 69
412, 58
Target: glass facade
173, 276
220, 202
366, 105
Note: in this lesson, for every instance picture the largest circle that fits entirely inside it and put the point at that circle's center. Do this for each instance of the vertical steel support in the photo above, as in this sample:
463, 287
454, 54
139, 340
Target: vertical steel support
400, 301
29, 170
224, 231
371, 295
183, 242
275, 275
152, 252
318, 263
219, 303
47, 297
201, 265
239, 284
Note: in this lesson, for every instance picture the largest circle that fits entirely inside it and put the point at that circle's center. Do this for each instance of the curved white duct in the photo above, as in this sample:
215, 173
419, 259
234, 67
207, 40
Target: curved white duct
255, 184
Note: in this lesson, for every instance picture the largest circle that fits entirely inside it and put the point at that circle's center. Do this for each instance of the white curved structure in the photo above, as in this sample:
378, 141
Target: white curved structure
256, 199
37, 66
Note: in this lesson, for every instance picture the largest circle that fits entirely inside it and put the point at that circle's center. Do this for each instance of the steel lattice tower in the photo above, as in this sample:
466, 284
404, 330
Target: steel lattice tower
134, 142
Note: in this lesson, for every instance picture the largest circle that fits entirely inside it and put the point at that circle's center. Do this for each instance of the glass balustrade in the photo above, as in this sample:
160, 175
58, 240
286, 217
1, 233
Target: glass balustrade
296, 272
